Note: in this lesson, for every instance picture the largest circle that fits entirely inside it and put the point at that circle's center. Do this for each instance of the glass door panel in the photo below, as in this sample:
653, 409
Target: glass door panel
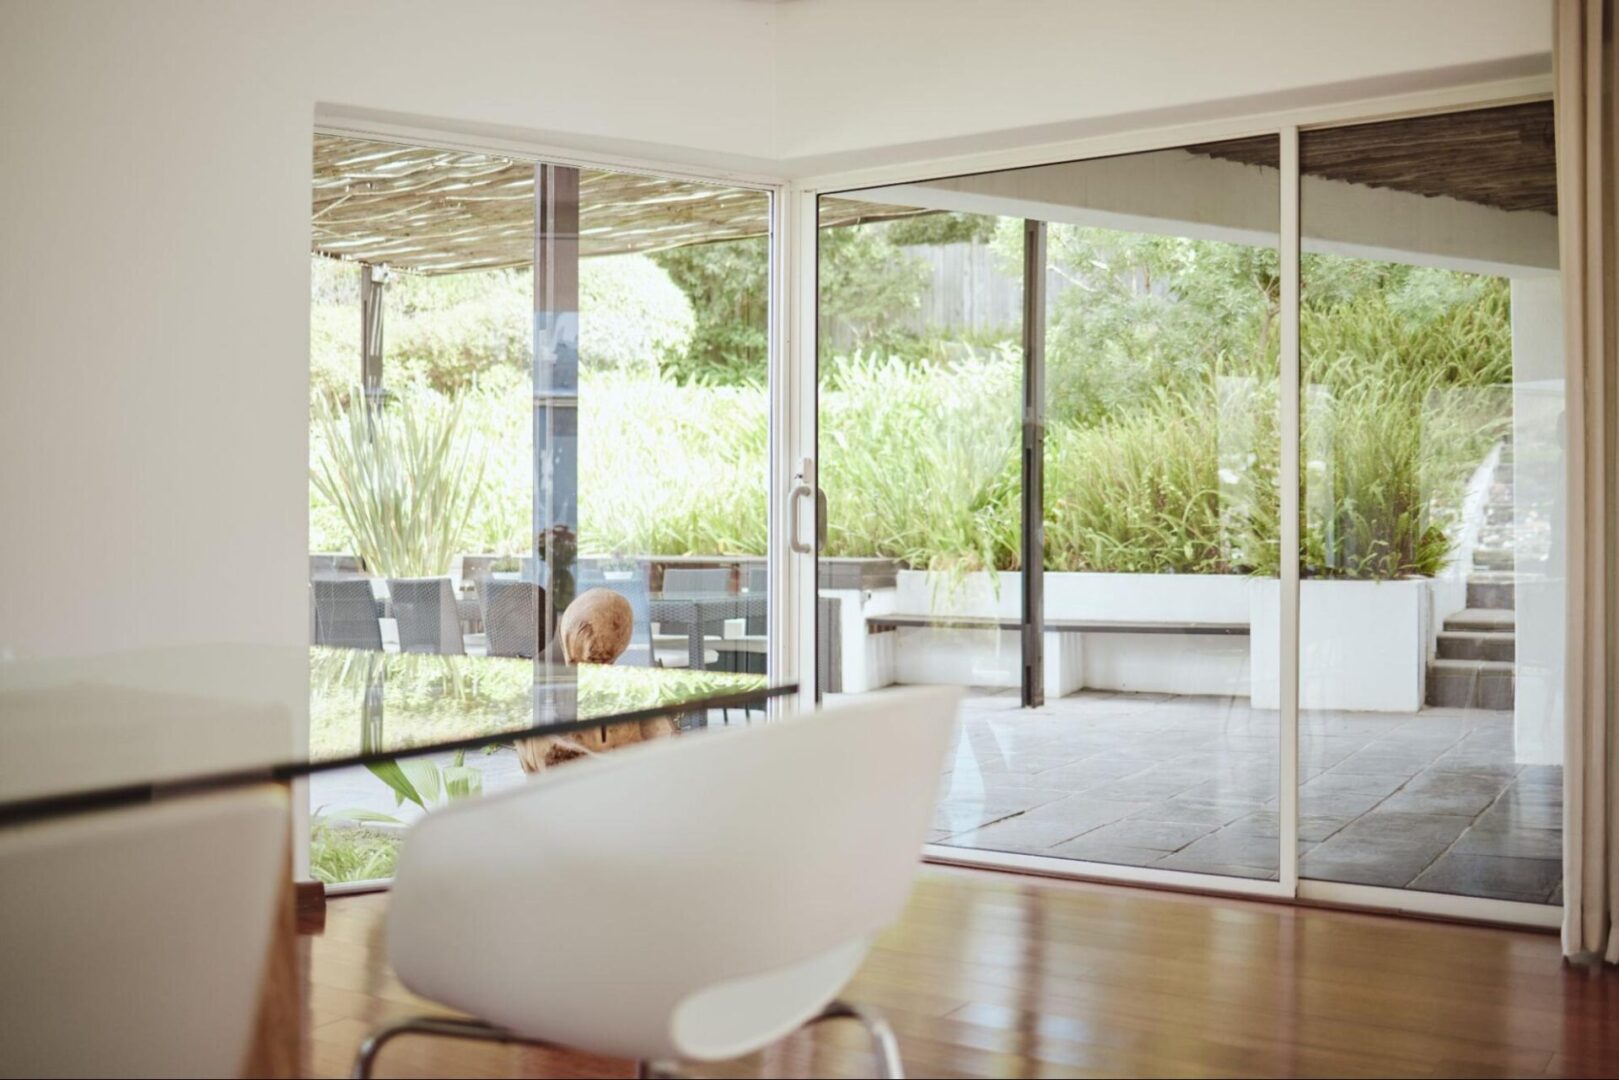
1432, 556
529, 381
1158, 640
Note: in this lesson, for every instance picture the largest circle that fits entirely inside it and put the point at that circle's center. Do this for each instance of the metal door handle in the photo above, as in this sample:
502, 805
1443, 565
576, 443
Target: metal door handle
805, 486
792, 508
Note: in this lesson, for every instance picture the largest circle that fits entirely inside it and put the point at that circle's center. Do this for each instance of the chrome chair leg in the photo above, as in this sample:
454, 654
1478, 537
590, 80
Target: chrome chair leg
883, 1043
440, 1026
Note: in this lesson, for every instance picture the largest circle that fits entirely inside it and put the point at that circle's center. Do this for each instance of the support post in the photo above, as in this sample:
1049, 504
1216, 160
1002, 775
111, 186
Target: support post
1290, 404
1034, 450
373, 287
556, 386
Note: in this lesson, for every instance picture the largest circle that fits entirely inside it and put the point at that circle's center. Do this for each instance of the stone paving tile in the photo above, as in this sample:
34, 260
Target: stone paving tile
1447, 793
1162, 836
1212, 812
1402, 829
1087, 850
1234, 845
1532, 880
1384, 799
1498, 836
1368, 861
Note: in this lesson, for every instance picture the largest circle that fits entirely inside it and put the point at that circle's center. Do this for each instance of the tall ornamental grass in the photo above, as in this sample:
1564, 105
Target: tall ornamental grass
920, 460
402, 481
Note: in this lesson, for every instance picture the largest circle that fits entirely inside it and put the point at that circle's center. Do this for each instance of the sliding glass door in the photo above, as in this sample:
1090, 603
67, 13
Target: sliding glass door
1050, 447
1061, 413
1432, 563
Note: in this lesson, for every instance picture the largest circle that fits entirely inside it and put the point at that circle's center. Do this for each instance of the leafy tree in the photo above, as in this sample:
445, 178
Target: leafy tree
728, 287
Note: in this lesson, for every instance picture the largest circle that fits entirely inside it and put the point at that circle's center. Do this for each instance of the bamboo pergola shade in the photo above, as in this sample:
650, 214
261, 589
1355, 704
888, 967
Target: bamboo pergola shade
432, 211
1501, 157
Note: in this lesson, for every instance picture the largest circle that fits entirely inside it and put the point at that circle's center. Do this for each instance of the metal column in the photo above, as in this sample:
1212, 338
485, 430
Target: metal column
1032, 554
556, 385
373, 287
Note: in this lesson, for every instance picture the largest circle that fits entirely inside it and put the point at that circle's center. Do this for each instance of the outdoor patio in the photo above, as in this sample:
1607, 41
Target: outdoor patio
1431, 801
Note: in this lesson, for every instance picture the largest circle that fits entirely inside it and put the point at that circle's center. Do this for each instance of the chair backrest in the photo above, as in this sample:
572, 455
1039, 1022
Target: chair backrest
686, 898
334, 565
425, 612
697, 581
134, 940
512, 614
346, 613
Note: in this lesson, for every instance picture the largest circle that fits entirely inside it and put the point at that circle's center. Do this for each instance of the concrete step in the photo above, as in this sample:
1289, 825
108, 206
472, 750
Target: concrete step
1491, 589
1471, 684
1492, 558
1482, 619
1477, 645
1499, 513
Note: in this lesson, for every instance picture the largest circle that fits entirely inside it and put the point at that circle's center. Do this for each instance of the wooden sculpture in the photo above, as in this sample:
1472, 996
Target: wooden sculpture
595, 629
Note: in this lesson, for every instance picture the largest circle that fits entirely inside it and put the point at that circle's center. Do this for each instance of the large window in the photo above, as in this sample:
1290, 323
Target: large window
528, 381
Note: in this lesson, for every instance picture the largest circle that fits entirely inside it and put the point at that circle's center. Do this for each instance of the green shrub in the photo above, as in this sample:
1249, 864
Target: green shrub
1162, 452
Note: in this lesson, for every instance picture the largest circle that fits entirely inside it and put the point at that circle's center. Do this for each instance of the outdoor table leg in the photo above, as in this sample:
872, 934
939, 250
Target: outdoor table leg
694, 643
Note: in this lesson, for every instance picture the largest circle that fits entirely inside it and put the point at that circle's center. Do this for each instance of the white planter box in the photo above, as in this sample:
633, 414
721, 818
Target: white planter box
1363, 645
1146, 662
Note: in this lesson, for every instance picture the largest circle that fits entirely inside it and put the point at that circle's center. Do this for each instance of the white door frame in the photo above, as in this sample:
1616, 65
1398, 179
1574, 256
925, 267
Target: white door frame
1285, 125
793, 408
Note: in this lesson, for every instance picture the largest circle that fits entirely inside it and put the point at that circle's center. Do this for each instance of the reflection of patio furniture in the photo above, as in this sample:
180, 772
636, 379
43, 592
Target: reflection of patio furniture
426, 613
345, 613
512, 613
329, 566
477, 876
697, 581
700, 615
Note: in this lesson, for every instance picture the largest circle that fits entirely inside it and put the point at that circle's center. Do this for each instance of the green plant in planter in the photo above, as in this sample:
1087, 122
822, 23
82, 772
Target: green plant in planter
403, 480
422, 782
340, 853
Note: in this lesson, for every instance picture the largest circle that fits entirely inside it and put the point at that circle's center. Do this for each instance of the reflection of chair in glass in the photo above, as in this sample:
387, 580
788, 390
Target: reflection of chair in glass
604, 970
345, 614
512, 613
112, 966
425, 611
697, 582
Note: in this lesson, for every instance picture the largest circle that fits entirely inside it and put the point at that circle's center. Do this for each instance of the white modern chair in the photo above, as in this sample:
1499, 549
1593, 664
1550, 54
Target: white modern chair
690, 899
134, 941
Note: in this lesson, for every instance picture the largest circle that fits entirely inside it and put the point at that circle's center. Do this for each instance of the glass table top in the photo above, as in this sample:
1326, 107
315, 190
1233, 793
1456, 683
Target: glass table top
101, 730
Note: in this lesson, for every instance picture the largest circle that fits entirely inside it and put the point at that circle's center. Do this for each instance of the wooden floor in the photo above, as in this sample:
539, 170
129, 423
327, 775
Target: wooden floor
990, 975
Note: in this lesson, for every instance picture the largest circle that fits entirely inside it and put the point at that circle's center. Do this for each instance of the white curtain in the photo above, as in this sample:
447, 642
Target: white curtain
1587, 82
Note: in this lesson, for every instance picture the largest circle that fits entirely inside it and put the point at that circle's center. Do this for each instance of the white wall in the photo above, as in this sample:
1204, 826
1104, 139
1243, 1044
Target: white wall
1539, 478
915, 72
155, 198
154, 278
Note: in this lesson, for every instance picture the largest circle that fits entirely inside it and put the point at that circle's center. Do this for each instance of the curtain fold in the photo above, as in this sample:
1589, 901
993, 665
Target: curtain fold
1586, 78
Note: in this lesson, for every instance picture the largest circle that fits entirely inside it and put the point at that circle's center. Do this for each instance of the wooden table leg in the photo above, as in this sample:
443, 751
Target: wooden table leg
274, 1051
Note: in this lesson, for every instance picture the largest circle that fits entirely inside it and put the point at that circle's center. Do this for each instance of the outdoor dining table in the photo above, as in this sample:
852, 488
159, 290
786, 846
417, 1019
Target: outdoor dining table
700, 615
112, 733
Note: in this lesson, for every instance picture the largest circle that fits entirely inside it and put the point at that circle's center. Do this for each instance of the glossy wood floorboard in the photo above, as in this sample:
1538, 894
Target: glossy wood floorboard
990, 975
